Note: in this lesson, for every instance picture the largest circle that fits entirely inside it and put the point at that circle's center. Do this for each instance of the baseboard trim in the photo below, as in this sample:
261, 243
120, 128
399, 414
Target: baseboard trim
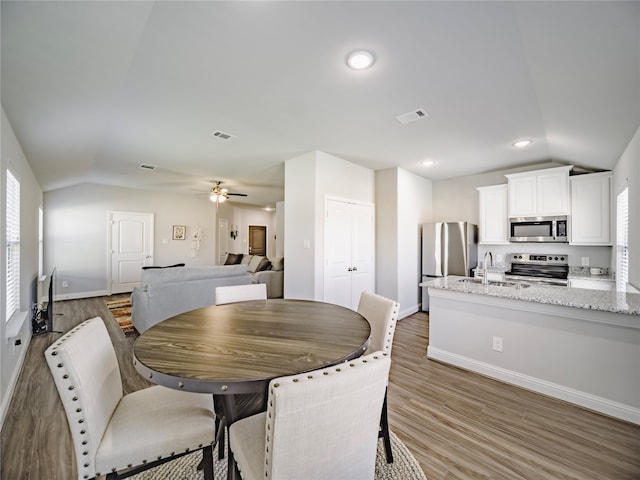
13, 381
408, 311
577, 397
76, 296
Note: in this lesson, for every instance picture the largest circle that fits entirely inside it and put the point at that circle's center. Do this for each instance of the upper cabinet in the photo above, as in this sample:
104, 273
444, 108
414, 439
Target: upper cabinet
591, 209
539, 193
493, 215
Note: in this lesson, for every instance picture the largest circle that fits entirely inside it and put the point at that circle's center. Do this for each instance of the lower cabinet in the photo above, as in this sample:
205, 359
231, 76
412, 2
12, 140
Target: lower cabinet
605, 285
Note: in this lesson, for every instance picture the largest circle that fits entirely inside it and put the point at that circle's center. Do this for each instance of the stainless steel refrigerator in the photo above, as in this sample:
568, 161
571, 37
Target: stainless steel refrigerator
448, 248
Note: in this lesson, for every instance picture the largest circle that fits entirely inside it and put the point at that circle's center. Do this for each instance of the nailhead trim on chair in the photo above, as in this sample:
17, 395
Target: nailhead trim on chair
84, 464
392, 326
297, 380
84, 446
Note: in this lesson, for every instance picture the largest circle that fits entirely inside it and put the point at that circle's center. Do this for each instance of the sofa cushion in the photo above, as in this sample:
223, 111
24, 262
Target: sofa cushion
277, 263
258, 263
233, 259
172, 275
246, 259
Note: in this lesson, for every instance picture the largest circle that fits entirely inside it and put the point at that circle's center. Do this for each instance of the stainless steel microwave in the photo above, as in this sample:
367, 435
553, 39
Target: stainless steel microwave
539, 229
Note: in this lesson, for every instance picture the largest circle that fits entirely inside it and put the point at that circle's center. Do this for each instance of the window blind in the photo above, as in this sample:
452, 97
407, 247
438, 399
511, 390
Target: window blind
13, 244
622, 240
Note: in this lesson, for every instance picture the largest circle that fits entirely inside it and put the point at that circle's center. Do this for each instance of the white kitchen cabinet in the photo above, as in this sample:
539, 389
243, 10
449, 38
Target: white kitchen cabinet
605, 285
591, 209
539, 193
492, 218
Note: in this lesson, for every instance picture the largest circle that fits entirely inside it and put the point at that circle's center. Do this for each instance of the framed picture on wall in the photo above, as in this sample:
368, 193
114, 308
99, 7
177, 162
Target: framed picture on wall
179, 232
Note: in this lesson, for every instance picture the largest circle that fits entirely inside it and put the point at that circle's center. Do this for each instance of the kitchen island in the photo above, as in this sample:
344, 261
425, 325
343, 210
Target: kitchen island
578, 345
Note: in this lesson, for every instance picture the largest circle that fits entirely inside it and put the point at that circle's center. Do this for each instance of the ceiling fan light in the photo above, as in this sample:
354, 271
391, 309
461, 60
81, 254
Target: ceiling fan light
216, 198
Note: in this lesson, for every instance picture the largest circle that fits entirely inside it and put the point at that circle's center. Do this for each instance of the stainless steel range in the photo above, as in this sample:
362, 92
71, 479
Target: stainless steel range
550, 269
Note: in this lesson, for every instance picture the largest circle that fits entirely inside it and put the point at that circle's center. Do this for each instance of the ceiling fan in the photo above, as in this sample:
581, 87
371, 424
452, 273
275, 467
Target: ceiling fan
219, 194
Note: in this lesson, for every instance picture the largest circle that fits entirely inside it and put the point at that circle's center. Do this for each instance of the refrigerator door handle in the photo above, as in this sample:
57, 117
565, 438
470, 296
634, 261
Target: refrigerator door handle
444, 251
438, 248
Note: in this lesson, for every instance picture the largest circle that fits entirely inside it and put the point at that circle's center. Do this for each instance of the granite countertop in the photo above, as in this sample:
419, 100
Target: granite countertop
606, 301
586, 275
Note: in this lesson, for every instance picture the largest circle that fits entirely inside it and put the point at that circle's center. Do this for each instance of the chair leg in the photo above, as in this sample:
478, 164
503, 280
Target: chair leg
384, 431
221, 426
207, 461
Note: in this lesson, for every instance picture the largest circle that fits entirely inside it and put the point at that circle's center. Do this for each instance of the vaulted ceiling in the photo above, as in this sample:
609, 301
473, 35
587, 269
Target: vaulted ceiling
95, 89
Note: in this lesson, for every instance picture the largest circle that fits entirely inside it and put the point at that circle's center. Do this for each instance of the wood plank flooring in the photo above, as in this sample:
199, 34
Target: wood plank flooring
459, 425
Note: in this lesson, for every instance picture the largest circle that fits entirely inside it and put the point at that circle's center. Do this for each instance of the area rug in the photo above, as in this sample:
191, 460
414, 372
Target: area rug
120, 308
404, 466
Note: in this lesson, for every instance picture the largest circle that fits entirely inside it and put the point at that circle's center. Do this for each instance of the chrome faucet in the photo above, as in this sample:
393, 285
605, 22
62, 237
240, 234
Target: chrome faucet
485, 273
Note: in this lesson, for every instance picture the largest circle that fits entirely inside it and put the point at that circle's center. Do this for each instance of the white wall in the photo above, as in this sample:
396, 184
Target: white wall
12, 356
309, 180
627, 174
387, 233
76, 232
299, 226
280, 229
403, 203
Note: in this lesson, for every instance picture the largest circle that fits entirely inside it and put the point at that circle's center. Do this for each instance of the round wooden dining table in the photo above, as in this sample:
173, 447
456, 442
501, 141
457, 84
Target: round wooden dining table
233, 351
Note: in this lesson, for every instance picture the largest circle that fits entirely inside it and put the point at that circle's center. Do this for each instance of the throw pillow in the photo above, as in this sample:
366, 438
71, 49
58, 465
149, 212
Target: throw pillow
257, 264
277, 263
233, 259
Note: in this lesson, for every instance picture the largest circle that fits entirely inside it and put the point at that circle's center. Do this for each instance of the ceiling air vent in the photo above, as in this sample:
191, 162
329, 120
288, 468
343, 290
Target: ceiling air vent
145, 166
222, 135
412, 116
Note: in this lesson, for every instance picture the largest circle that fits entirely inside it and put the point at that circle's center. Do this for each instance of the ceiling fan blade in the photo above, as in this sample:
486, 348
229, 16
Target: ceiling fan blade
237, 194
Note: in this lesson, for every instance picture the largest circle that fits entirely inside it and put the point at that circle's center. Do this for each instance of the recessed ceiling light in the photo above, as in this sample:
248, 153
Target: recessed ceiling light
360, 59
428, 163
522, 143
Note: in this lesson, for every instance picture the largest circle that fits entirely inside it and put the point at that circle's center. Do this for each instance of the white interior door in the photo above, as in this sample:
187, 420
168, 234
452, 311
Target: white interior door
362, 252
131, 248
349, 254
337, 268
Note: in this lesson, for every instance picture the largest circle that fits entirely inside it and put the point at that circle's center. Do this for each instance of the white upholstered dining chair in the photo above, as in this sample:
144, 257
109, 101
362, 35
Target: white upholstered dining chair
382, 315
318, 425
118, 435
241, 293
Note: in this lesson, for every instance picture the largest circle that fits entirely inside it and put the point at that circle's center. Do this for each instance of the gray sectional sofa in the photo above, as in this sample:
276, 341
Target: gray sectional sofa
166, 292
269, 271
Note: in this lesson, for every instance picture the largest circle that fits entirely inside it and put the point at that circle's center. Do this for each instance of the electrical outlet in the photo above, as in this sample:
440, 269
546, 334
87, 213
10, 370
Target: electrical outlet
585, 261
497, 344
65, 284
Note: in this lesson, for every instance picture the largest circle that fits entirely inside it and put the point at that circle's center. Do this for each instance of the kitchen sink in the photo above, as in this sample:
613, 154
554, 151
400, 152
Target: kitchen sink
495, 283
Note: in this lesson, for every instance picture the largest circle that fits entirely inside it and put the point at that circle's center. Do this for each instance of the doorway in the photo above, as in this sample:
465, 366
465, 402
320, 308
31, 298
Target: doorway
258, 240
131, 238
